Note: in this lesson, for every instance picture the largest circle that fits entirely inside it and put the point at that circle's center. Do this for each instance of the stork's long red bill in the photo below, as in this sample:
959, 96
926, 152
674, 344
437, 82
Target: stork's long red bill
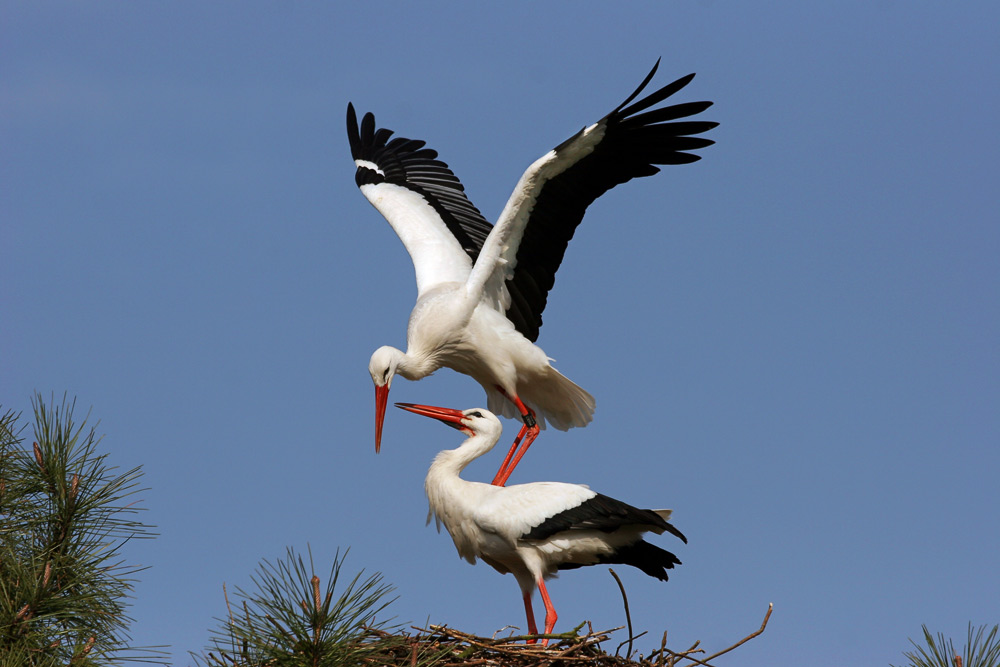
381, 400
449, 416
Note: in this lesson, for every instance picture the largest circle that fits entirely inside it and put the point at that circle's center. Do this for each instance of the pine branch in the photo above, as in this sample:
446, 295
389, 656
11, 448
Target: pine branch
979, 651
290, 618
64, 516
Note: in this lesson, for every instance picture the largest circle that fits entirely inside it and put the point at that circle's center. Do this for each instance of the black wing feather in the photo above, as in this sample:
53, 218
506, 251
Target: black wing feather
406, 162
654, 98
601, 513
633, 144
649, 558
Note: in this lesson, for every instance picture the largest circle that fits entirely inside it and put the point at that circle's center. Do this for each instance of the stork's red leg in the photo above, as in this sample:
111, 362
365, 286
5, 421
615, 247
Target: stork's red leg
532, 628
550, 612
529, 431
504, 473
510, 455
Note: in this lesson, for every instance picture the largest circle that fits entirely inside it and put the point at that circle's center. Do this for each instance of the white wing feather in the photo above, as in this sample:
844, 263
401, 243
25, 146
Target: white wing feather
437, 256
498, 257
517, 509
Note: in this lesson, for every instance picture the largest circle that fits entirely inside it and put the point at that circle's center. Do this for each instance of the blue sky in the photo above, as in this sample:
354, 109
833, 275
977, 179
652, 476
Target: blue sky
793, 343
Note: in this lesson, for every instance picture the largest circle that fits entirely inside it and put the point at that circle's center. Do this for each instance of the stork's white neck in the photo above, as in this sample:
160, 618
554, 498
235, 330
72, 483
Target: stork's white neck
446, 469
451, 462
416, 366
452, 498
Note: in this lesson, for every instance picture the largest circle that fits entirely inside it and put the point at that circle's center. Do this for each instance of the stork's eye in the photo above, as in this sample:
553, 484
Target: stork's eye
477, 413
385, 375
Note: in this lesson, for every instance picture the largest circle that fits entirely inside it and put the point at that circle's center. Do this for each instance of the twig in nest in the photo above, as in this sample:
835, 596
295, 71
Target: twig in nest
629, 641
506, 627
628, 616
750, 636
770, 607
663, 648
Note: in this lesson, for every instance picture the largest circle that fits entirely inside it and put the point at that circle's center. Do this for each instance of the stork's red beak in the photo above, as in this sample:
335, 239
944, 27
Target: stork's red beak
448, 416
381, 400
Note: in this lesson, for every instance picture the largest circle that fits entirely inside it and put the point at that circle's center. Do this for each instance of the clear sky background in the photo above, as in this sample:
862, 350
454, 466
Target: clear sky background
794, 343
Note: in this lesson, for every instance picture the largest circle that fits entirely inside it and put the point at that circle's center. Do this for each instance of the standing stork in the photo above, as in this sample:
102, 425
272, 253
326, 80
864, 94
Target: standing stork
481, 289
533, 530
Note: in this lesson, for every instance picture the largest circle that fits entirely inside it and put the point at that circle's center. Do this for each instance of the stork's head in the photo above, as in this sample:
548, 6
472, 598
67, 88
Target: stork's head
382, 368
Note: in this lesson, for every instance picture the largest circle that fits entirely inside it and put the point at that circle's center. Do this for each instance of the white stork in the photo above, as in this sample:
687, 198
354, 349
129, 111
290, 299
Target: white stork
533, 530
481, 289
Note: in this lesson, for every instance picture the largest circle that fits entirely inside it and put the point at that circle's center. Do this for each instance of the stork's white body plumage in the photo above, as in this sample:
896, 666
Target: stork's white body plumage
481, 289
533, 530
449, 328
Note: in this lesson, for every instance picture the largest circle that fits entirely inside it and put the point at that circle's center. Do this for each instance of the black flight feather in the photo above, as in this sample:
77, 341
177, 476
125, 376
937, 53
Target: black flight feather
649, 558
601, 513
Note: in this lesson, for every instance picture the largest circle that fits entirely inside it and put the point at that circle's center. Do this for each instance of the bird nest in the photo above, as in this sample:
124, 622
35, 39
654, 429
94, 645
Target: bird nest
441, 646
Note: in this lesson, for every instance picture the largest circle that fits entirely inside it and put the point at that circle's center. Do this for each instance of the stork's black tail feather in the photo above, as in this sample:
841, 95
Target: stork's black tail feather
649, 558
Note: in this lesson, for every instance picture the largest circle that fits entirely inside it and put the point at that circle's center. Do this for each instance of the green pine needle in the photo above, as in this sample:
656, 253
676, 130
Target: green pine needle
291, 618
65, 514
979, 651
